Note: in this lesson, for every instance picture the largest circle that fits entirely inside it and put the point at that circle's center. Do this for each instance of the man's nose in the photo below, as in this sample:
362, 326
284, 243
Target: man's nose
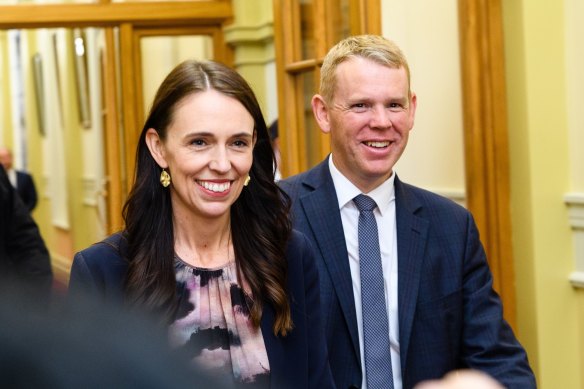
380, 117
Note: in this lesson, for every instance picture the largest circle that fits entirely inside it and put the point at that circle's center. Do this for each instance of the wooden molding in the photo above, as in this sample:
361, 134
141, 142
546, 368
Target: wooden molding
485, 138
113, 14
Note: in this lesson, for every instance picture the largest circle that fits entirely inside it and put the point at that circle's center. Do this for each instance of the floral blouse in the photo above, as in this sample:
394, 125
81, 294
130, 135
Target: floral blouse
214, 327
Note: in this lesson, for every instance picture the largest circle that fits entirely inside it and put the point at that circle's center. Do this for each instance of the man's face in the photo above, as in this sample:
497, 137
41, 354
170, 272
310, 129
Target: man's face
5, 158
369, 120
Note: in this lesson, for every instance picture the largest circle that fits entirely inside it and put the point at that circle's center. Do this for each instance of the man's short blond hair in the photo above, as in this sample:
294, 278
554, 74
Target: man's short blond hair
372, 47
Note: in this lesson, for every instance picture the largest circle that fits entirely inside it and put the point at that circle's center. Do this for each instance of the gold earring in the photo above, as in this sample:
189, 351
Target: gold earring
247, 180
164, 178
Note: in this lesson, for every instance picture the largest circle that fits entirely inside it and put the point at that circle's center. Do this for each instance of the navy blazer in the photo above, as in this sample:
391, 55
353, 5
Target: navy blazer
298, 360
449, 315
26, 189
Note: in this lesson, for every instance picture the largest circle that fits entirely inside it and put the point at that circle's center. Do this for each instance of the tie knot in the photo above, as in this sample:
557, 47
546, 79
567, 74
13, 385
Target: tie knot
364, 203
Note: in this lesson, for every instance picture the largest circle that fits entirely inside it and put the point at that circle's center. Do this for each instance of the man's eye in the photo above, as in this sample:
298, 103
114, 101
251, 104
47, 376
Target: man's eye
198, 142
359, 107
396, 106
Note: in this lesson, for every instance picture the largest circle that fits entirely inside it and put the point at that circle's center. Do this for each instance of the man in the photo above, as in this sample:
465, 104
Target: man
25, 266
405, 286
22, 181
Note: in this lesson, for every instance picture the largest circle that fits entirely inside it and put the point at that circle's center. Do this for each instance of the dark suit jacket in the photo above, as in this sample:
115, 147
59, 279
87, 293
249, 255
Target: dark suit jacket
449, 315
26, 189
298, 360
24, 259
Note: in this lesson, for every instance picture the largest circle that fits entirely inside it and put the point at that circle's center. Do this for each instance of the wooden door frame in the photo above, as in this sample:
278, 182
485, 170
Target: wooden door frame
486, 144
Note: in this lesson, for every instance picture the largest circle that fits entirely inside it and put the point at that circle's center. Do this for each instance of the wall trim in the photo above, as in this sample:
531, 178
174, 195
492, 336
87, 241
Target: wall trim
244, 34
575, 204
90, 191
577, 279
456, 195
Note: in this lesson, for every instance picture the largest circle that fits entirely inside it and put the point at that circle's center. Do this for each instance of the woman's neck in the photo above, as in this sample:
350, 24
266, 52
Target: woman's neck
204, 243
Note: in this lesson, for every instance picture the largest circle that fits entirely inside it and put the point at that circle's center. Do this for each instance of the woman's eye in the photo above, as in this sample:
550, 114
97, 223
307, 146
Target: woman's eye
240, 143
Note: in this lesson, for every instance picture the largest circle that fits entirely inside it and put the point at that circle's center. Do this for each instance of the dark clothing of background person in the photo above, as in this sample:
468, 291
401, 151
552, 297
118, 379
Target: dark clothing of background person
24, 259
26, 189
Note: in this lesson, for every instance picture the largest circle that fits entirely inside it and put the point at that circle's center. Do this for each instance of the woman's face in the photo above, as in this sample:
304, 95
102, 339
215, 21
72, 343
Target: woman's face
208, 153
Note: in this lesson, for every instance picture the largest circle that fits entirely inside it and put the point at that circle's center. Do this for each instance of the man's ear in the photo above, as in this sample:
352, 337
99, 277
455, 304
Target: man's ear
412, 108
320, 111
156, 147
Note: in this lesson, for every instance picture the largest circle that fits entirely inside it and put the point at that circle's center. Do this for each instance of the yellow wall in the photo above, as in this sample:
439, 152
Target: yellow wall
252, 35
5, 117
434, 158
549, 308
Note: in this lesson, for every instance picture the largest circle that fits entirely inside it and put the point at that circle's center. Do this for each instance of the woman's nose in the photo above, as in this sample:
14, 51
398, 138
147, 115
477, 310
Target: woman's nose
220, 161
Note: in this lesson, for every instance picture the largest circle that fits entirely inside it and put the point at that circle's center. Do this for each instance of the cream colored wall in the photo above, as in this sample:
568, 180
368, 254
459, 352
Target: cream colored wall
545, 107
252, 36
160, 54
427, 32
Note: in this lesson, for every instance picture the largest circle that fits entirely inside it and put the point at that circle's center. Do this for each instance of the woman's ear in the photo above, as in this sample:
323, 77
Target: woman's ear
156, 147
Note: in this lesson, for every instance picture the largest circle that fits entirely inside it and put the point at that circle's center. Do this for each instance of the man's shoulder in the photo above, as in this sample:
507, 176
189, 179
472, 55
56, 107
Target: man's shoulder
23, 174
308, 179
414, 194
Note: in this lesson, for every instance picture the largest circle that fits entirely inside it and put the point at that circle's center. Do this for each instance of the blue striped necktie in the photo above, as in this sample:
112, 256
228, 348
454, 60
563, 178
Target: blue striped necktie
378, 371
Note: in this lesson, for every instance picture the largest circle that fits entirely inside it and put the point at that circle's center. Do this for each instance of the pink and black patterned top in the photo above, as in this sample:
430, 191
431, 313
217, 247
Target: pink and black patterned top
214, 327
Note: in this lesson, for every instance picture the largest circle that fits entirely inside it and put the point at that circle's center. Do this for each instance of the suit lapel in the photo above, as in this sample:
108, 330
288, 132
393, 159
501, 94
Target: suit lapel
321, 208
412, 233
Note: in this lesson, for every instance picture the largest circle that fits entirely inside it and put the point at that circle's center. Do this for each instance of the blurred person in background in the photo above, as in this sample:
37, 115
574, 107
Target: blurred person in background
25, 264
20, 180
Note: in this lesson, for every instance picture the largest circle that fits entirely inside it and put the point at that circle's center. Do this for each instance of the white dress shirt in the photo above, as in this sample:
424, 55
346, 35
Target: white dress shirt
384, 196
11, 176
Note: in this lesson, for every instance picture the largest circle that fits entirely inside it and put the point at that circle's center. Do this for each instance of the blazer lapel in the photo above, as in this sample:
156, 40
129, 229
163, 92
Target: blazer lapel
321, 207
412, 233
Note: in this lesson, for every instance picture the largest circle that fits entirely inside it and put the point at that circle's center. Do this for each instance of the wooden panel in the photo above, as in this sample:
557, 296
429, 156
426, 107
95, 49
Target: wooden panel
131, 127
114, 190
110, 14
485, 138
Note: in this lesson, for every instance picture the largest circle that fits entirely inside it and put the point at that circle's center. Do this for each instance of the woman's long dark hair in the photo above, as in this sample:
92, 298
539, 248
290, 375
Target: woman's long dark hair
260, 224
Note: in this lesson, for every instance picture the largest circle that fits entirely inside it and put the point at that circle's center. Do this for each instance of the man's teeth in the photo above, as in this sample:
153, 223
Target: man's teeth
377, 144
215, 187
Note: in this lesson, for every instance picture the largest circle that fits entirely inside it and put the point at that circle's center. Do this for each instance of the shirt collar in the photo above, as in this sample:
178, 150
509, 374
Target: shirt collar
347, 191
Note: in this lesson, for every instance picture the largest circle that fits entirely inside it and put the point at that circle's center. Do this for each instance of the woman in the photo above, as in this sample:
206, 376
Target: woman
208, 245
